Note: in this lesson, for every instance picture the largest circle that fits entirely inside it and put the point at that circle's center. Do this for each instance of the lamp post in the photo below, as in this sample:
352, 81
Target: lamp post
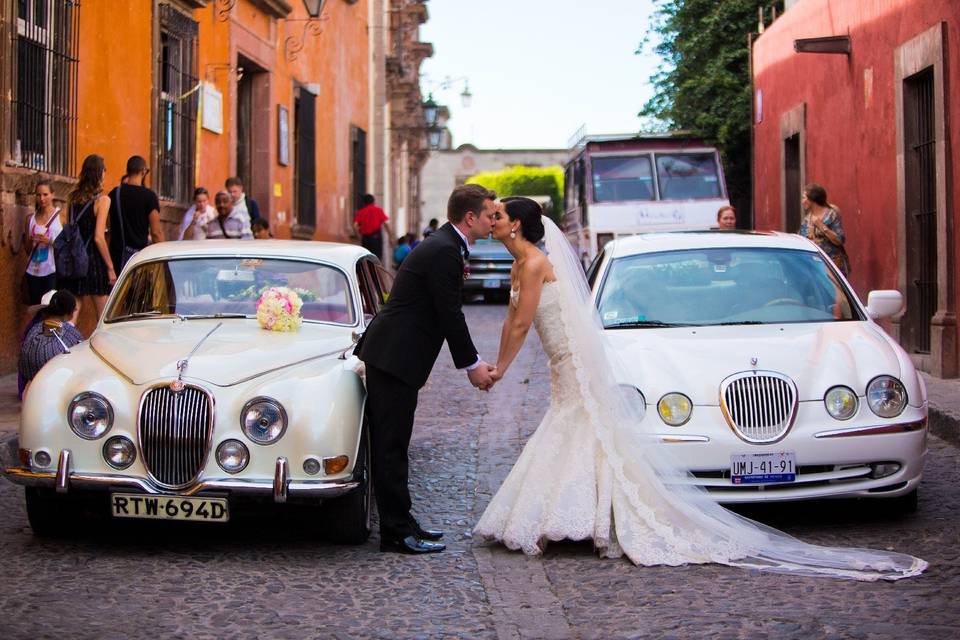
313, 25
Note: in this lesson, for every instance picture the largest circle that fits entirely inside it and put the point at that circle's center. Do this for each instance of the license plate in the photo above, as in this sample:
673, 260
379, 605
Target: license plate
491, 284
763, 468
135, 505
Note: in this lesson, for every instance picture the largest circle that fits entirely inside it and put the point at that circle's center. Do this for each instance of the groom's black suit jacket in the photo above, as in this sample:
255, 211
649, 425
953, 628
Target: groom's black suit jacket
423, 310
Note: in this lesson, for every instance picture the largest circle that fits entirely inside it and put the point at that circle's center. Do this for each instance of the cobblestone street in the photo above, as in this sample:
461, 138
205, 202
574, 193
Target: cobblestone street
265, 578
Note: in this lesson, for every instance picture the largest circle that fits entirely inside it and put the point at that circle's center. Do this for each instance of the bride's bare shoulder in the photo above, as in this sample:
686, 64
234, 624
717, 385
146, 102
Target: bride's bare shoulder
541, 265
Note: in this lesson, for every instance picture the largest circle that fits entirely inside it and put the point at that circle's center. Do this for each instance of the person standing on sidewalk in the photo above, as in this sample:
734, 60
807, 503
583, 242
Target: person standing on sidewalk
229, 224
134, 214
43, 227
242, 203
369, 223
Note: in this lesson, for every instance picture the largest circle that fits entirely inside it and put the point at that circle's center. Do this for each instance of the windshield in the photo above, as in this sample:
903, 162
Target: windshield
686, 176
722, 286
229, 286
618, 178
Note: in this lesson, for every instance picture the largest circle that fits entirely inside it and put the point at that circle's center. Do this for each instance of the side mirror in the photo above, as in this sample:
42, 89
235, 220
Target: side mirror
884, 303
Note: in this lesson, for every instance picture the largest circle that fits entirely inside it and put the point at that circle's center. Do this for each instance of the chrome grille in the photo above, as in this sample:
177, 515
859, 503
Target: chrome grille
759, 405
175, 430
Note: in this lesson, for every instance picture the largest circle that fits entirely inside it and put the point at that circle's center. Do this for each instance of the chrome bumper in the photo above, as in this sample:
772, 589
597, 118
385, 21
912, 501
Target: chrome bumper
280, 486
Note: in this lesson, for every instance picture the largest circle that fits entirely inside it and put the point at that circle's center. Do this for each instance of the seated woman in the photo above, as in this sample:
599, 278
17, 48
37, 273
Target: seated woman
52, 335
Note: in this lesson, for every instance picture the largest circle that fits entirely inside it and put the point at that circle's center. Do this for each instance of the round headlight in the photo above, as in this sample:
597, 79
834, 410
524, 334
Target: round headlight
233, 456
90, 415
263, 420
841, 403
675, 409
119, 452
886, 396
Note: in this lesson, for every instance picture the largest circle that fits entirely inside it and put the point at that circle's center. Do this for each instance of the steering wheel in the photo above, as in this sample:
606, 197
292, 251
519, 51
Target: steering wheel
777, 301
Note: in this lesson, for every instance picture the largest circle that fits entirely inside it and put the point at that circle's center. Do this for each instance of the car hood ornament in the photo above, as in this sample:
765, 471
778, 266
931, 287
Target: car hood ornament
178, 385
753, 361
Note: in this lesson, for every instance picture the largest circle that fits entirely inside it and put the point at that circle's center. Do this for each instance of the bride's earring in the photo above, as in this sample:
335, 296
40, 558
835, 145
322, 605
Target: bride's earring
513, 235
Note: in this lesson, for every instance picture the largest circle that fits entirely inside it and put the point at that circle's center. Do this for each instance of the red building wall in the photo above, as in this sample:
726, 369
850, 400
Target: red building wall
850, 118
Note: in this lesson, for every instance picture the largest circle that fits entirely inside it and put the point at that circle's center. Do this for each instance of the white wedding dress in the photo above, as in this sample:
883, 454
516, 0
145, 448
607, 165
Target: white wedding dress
587, 474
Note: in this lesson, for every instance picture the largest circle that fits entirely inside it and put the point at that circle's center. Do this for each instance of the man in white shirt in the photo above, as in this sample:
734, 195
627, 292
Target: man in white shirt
229, 223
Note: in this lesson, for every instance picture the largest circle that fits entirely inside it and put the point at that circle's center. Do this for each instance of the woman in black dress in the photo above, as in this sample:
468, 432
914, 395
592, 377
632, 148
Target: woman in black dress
92, 222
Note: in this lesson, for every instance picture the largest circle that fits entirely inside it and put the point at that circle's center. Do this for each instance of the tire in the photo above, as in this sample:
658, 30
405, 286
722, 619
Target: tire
905, 504
49, 516
346, 520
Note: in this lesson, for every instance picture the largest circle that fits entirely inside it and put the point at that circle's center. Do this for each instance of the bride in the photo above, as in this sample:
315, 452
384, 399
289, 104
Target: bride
586, 473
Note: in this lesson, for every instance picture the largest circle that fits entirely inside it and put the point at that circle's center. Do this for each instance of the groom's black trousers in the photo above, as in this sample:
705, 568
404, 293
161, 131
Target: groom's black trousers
391, 404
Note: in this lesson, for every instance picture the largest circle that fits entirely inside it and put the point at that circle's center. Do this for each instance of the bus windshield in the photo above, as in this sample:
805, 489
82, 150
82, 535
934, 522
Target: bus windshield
687, 176
621, 178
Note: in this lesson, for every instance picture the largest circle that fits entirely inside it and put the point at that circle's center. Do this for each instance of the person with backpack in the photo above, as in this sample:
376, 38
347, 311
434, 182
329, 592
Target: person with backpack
134, 214
82, 256
53, 333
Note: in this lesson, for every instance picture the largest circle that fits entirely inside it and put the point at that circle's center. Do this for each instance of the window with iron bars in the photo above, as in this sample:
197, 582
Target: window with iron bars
177, 110
44, 101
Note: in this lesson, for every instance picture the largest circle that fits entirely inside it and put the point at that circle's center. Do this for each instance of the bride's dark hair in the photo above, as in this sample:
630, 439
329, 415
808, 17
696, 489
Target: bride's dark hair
529, 213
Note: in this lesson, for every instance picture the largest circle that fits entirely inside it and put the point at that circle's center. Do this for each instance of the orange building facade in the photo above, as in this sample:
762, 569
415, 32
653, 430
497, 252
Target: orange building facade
204, 90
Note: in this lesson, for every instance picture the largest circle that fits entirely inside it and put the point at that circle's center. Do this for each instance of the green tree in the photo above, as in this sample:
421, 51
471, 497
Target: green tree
703, 85
526, 181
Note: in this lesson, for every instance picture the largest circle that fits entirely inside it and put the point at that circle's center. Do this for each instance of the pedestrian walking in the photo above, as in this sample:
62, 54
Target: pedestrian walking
431, 227
402, 250
241, 201
134, 214
199, 213
82, 255
369, 223
43, 227
228, 224
822, 224
727, 217
54, 333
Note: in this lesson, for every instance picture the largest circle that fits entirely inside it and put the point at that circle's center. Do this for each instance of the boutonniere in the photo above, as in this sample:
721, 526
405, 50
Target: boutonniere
466, 269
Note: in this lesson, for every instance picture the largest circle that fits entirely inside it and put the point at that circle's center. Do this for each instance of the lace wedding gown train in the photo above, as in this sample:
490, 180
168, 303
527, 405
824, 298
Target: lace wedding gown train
585, 473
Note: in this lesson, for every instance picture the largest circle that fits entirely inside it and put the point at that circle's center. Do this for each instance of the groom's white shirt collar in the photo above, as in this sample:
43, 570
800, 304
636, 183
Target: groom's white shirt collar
460, 233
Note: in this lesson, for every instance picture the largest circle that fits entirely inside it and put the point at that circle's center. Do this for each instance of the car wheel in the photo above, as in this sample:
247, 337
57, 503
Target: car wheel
905, 504
48, 514
346, 520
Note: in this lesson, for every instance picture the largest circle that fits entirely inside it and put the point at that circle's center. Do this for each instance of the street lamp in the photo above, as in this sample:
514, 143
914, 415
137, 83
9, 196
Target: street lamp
431, 112
466, 97
434, 137
314, 7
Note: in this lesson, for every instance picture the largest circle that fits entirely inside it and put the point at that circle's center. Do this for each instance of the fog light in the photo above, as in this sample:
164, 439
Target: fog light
335, 465
119, 452
41, 459
233, 456
311, 466
884, 469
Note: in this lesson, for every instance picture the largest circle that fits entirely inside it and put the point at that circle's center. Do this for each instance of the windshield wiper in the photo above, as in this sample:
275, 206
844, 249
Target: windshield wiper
640, 324
142, 314
214, 315
727, 324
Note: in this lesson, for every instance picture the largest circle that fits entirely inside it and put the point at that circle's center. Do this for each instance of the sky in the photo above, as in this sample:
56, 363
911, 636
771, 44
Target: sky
538, 69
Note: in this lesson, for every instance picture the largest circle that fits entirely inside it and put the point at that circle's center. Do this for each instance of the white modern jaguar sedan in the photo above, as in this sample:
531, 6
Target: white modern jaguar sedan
758, 363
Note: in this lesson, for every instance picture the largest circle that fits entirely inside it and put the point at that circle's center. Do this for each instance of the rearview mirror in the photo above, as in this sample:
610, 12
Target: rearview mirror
884, 303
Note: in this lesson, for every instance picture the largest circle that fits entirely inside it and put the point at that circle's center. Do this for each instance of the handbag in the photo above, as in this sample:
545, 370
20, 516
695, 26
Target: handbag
69, 249
126, 252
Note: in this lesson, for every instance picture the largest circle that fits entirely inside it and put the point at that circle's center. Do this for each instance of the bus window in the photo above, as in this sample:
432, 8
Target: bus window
686, 176
619, 178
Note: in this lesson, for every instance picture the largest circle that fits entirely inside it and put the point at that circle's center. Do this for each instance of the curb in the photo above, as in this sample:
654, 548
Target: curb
8, 451
944, 425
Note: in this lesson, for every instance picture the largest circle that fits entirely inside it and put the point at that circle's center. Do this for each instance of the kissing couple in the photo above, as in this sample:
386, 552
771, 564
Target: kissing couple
587, 472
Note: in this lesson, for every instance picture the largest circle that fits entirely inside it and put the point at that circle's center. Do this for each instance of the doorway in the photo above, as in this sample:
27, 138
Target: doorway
791, 183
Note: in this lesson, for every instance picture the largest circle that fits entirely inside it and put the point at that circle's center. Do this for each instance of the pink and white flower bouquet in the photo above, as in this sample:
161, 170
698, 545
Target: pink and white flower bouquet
278, 309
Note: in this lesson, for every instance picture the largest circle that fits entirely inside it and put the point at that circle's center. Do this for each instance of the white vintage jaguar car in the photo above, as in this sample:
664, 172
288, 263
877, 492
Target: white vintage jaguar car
181, 407
758, 363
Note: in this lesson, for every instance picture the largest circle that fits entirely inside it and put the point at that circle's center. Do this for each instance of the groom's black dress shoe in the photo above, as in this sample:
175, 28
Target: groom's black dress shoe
426, 534
412, 545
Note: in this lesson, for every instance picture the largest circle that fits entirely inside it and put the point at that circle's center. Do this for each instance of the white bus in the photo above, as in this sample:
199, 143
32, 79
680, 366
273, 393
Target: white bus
625, 184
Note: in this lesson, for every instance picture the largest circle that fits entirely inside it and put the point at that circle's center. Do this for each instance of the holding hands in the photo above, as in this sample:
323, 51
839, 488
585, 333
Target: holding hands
483, 376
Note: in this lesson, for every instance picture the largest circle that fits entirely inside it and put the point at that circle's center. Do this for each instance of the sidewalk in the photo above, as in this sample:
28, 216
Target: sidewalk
944, 398
9, 405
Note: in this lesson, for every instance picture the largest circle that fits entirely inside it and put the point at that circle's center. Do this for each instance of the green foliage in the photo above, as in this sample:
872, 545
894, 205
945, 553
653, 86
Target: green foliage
526, 181
704, 84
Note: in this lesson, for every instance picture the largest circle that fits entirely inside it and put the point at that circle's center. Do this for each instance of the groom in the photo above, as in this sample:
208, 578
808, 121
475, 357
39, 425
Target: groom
400, 347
